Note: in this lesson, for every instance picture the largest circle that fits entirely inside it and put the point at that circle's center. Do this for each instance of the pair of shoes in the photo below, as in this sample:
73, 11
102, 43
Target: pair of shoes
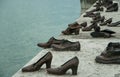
98, 19
111, 55
60, 45
106, 22
115, 24
74, 28
89, 28
47, 59
113, 7
106, 33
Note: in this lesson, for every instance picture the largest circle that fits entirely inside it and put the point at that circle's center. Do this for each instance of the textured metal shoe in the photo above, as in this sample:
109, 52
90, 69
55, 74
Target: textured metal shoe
46, 59
48, 44
106, 22
108, 31
89, 28
66, 46
97, 9
98, 3
99, 19
112, 5
70, 31
110, 46
101, 33
91, 14
84, 24
115, 24
71, 64
111, 55
107, 3
113, 8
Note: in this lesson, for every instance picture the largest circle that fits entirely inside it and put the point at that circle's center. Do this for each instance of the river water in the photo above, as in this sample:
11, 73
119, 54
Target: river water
24, 23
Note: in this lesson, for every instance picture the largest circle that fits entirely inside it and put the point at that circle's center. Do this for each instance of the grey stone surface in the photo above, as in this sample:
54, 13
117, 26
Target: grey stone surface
90, 48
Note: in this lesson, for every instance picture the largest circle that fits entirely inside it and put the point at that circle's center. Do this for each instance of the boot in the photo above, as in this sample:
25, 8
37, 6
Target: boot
66, 46
106, 22
110, 56
113, 8
89, 28
114, 24
71, 64
46, 59
48, 44
109, 46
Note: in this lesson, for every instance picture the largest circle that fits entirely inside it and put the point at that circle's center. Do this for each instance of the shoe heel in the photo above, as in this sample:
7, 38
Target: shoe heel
48, 64
74, 70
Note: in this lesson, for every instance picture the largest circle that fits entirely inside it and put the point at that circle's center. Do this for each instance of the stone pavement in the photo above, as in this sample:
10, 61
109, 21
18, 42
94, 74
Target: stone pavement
90, 48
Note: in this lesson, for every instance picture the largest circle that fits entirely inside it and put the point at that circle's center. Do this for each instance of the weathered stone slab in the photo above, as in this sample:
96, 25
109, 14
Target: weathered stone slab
87, 66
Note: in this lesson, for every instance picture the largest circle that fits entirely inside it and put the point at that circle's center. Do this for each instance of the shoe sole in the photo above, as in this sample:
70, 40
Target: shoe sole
117, 61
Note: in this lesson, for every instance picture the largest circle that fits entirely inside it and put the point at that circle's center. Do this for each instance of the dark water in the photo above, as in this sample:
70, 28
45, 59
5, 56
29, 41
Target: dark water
24, 23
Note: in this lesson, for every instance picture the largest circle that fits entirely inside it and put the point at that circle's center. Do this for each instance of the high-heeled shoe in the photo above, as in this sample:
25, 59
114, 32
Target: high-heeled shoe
70, 31
48, 44
71, 64
100, 19
46, 59
89, 28
106, 22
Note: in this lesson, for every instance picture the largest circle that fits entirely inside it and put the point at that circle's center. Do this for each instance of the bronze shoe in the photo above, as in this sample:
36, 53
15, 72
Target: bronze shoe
71, 64
66, 46
110, 46
48, 44
89, 28
97, 9
46, 59
111, 55
68, 31
84, 24
99, 19
106, 22
75, 25
91, 14
72, 30
98, 34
